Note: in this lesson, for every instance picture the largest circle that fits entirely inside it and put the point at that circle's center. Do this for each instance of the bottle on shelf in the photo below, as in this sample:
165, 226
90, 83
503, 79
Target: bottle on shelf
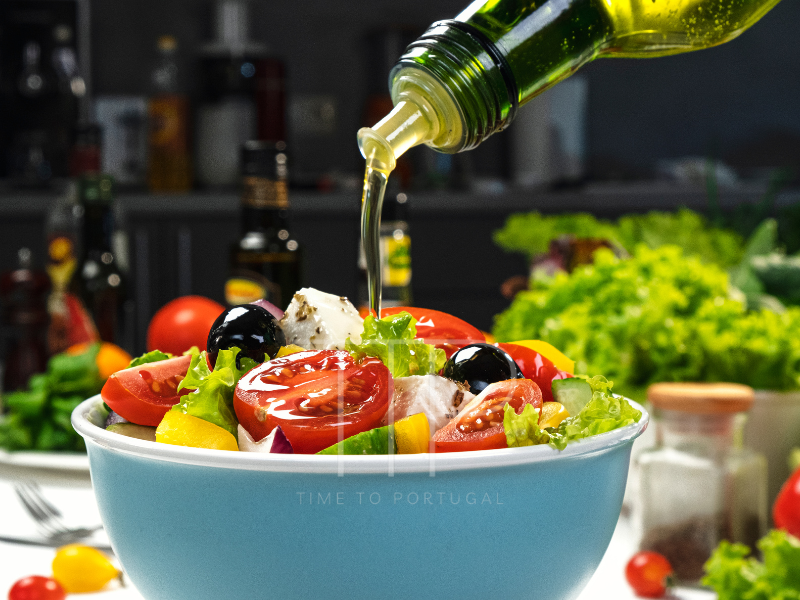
465, 78
23, 292
227, 116
266, 261
395, 259
169, 166
98, 281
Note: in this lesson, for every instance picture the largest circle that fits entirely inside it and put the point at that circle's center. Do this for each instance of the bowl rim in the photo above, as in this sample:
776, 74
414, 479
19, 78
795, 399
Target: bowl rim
382, 464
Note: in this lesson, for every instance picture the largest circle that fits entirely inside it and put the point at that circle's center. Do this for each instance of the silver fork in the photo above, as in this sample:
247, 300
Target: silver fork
48, 518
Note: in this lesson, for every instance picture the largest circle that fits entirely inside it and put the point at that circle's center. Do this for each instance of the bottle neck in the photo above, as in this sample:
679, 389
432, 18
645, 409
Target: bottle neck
265, 204
98, 226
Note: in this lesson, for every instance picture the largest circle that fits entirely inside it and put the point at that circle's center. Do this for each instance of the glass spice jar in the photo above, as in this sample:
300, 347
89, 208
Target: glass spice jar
699, 485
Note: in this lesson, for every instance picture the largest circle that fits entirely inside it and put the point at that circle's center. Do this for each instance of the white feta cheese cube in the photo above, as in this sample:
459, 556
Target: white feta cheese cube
437, 397
319, 321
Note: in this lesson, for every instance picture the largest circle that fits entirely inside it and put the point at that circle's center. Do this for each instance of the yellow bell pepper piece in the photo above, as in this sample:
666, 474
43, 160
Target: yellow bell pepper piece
550, 352
180, 429
552, 414
412, 434
287, 350
81, 569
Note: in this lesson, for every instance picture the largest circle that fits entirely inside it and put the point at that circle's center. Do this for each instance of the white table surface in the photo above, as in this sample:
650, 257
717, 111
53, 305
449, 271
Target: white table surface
72, 494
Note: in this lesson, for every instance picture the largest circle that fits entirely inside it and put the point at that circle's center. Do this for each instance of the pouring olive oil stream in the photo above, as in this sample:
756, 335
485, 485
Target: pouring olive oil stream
464, 79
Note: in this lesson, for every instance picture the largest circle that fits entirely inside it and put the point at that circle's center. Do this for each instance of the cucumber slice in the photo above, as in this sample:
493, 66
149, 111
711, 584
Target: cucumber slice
374, 441
140, 432
573, 393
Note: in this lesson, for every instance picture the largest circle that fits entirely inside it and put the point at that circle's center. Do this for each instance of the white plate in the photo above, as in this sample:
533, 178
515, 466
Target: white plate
54, 461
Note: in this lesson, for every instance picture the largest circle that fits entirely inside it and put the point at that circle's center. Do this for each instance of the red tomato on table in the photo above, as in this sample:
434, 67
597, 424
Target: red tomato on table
479, 426
182, 323
317, 397
144, 394
36, 587
649, 574
786, 512
536, 367
440, 329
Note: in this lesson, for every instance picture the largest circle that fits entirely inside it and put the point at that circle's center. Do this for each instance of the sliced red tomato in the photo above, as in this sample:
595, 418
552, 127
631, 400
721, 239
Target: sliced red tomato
318, 397
536, 367
440, 329
479, 426
144, 394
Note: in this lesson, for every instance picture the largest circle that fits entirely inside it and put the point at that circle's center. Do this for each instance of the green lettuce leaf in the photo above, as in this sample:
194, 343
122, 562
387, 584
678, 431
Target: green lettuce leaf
602, 413
733, 575
391, 339
212, 399
523, 429
150, 357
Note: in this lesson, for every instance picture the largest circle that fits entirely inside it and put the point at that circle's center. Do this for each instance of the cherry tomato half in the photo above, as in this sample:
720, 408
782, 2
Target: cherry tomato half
36, 587
479, 426
440, 329
182, 323
144, 394
536, 367
649, 574
786, 512
317, 397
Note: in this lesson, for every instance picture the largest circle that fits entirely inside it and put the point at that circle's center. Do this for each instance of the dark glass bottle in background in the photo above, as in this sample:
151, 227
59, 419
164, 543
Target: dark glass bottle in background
266, 261
24, 297
98, 281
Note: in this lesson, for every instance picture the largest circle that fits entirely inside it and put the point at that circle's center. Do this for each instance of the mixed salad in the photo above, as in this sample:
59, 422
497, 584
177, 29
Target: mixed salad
320, 379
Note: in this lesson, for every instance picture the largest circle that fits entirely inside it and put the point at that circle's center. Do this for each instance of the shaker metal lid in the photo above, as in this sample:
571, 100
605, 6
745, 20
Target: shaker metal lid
701, 398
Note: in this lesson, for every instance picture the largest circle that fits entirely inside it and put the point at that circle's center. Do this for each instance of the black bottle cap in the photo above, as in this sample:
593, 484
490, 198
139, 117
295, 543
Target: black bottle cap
264, 159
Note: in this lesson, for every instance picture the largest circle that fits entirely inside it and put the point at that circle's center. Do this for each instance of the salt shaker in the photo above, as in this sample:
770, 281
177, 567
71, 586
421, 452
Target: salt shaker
698, 485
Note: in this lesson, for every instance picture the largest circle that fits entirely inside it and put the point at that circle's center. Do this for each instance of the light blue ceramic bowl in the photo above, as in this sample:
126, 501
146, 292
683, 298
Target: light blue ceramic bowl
194, 524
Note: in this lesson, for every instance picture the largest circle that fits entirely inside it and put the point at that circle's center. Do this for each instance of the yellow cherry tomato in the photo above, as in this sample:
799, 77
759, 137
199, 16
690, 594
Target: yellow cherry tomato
180, 429
412, 434
552, 414
81, 569
550, 352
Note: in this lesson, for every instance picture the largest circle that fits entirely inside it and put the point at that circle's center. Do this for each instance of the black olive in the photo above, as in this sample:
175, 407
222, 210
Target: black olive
479, 365
248, 327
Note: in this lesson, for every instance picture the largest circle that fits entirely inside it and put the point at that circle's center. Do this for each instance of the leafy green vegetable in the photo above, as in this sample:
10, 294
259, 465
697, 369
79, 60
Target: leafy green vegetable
735, 576
150, 357
212, 399
391, 339
523, 429
603, 413
531, 233
39, 418
657, 316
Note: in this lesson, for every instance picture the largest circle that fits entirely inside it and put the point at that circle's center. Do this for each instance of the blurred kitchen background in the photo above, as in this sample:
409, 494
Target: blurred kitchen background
714, 131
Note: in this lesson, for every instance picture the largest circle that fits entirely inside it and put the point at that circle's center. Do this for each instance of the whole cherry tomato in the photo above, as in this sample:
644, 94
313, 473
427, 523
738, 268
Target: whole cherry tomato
36, 587
649, 574
786, 512
81, 569
182, 323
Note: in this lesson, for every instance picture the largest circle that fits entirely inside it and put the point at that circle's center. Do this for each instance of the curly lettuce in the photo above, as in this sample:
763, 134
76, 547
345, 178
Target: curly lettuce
734, 575
150, 357
603, 413
658, 316
391, 339
212, 398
